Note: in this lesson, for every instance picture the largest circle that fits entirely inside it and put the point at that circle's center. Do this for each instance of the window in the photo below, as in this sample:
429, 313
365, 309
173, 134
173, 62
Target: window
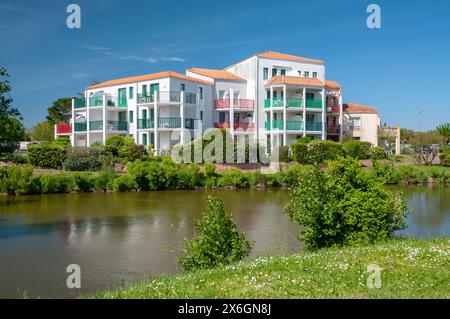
265, 73
122, 93
237, 95
309, 117
183, 87
275, 93
221, 117
268, 94
283, 72
144, 90
299, 73
274, 72
310, 96
130, 116
355, 122
200, 91
315, 75
144, 139
221, 95
306, 74
201, 115
130, 92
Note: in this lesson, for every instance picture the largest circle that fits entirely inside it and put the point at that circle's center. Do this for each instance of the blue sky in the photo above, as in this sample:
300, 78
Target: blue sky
401, 69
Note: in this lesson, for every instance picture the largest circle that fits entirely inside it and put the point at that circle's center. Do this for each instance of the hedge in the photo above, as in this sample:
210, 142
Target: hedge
46, 155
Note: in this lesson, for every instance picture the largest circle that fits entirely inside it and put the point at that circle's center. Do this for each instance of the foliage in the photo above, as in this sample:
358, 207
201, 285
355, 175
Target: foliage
105, 179
305, 139
377, 153
82, 159
63, 141
60, 111
425, 146
219, 242
344, 206
46, 155
124, 183
11, 128
83, 182
445, 156
444, 131
18, 181
299, 152
282, 153
43, 131
233, 177
357, 149
55, 183
131, 152
322, 151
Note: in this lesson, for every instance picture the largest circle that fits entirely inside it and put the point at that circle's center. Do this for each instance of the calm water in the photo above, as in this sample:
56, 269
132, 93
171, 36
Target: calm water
124, 237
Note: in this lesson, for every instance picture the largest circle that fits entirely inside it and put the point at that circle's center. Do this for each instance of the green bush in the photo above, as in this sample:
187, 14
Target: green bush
357, 149
305, 139
104, 180
377, 153
59, 183
282, 152
410, 174
445, 156
344, 206
19, 181
299, 152
188, 176
131, 152
219, 241
46, 155
293, 175
83, 159
321, 151
63, 141
124, 183
233, 177
210, 174
83, 182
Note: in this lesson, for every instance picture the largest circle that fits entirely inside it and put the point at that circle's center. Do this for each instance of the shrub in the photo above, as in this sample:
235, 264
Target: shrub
139, 171
377, 153
59, 183
410, 174
83, 159
131, 152
104, 181
124, 183
46, 155
188, 176
321, 151
357, 149
344, 206
234, 177
299, 152
19, 181
282, 153
445, 156
83, 182
293, 175
210, 175
63, 141
305, 139
385, 173
219, 242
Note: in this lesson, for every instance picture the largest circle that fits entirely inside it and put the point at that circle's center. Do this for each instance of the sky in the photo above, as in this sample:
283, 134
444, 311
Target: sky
401, 69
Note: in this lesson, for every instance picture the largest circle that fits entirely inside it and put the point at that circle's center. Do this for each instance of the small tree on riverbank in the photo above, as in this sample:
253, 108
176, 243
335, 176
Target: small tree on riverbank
219, 242
344, 206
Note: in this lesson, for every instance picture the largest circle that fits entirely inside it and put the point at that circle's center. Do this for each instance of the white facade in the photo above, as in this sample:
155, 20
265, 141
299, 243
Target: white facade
272, 97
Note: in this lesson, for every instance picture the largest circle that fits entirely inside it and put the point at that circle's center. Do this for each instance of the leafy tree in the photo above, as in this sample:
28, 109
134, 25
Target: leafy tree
43, 131
11, 128
444, 130
344, 206
60, 111
219, 241
426, 146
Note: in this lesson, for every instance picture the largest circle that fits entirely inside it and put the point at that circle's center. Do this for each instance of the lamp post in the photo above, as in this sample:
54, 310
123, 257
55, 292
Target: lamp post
420, 121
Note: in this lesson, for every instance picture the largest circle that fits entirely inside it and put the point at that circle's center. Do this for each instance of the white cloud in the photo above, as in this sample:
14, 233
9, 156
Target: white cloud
174, 59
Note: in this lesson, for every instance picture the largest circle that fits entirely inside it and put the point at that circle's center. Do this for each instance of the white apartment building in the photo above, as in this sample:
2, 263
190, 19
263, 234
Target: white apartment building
272, 97
361, 122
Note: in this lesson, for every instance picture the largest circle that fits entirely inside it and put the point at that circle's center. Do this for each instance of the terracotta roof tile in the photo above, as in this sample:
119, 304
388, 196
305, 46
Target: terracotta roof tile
217, 74
295, 80
283, 56
357, 108
332, 84
147, 77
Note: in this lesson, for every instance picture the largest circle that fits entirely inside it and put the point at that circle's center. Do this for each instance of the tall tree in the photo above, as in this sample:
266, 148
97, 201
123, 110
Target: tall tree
60, 111
11, 128
43, 131
444, 131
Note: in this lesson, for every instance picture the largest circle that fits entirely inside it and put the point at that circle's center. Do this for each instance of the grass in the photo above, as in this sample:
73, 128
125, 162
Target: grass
410, 269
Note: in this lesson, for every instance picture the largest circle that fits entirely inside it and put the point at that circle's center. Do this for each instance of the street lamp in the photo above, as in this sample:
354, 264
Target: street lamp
420, 121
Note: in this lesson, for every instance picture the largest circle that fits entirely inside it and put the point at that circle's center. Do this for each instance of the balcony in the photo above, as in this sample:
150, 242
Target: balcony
333, 108
95, 125
166, 122
314, 126
96, 101
168, 97
81, 127
62, 129
290, 125
333, 129
79, 102
290, 102
119, 126
241, 126
241, 104
313, 104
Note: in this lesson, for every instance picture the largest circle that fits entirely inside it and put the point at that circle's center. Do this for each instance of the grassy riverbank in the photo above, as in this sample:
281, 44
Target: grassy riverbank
410, 269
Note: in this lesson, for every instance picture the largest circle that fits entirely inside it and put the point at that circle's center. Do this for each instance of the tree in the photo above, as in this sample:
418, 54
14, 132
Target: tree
43, 131
11, 128
60, 111
444, 131
426, 146
219, 241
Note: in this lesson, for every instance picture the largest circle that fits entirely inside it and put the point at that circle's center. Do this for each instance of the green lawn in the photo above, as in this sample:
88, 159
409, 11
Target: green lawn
410, 269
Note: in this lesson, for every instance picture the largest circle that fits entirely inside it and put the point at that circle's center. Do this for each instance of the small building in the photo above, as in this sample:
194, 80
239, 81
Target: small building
361, 122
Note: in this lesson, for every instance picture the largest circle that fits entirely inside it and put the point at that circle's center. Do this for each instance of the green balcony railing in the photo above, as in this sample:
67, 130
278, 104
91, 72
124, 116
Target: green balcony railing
96, 125
314, 126
294, 125
279, 102
145, 123
267, 125
169, 122
117, 125
96, 101
294, 102
313, 104
80, 102
81, 127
